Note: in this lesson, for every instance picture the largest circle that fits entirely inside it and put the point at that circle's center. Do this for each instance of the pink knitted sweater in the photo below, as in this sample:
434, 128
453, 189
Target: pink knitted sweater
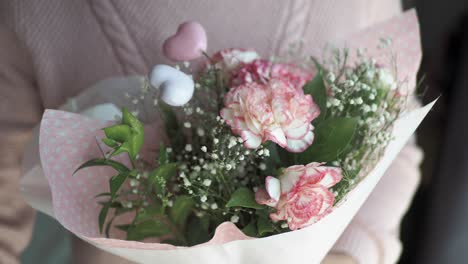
51, 50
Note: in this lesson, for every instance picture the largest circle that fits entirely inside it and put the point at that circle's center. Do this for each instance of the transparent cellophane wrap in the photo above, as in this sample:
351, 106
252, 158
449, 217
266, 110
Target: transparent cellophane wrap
64, 140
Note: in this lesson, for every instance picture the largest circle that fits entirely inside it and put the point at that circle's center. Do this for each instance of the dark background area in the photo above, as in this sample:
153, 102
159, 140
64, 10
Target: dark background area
435, 230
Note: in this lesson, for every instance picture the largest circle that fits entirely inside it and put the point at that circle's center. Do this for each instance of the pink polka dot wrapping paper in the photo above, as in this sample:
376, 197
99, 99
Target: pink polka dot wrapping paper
66, 140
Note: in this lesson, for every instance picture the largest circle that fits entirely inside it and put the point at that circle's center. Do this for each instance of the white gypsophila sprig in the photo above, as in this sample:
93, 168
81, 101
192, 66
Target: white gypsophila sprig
369, 92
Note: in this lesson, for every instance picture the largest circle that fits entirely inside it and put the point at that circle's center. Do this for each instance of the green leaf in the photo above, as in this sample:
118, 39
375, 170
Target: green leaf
102, 194
110, 142
181, 209
138, 132
108, 227
119, 133
250, 229
264, 225
119, 167
103, 215
115, 183
125, 147
316, 88
159, 177
125, 137
332, 138
243, 197
158, 225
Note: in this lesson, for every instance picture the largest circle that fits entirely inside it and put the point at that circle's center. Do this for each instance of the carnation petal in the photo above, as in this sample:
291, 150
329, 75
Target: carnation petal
328, 200
299, 145
273, 187
309, 205
262, 197
251, 140
227, 114
331, 176
290, 177
298, 132
277, 135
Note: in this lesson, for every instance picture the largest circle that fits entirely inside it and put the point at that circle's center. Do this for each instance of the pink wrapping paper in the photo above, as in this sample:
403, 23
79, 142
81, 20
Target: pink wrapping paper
66, 140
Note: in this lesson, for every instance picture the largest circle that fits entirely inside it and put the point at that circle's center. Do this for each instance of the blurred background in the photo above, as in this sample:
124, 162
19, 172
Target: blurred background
434, 230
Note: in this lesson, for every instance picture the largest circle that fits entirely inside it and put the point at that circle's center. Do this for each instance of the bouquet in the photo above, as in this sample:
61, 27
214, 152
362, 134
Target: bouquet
245, 158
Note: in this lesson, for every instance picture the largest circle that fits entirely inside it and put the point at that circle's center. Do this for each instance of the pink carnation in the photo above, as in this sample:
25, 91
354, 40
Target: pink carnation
230, 60
301, 195
262, 71
273, 111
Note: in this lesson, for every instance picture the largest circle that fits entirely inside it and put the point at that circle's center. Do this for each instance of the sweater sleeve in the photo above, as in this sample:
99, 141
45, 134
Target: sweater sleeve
20, 110
373, 235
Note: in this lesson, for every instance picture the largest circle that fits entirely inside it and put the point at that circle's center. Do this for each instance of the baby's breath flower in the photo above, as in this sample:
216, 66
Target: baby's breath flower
330, 77
199, 214
359, 101
134, 183
200, 132
232, 142
188, 148
207, 182
187, 182
366, 108
235, 219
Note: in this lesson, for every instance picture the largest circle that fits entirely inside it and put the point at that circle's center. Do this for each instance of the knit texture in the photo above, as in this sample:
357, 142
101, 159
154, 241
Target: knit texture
53, 49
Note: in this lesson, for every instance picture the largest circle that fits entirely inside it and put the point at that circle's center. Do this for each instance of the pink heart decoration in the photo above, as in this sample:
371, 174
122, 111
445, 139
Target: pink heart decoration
188, 43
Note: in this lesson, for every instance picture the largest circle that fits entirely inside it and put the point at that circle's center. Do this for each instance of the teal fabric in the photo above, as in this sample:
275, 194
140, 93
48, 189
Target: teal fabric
51, 243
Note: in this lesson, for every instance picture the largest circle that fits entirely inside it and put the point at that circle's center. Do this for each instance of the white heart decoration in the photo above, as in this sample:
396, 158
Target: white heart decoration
176, 87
